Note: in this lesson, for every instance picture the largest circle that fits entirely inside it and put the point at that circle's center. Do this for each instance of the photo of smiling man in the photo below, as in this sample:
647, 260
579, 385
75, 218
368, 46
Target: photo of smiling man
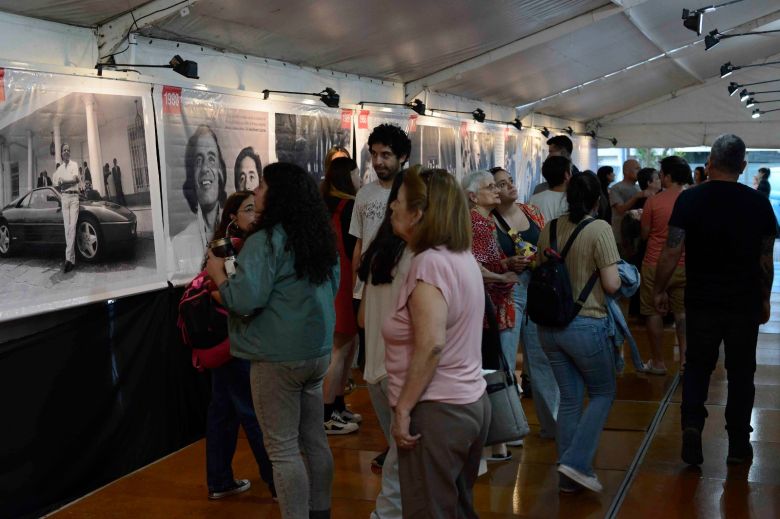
204, 191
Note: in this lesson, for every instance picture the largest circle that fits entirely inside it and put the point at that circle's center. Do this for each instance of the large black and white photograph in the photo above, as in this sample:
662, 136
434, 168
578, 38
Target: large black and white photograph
211, 149
533, 151
78, 214
477, 150
434, 147
306, 139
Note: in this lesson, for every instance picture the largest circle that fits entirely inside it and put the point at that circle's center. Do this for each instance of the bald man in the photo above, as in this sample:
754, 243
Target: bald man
623, 196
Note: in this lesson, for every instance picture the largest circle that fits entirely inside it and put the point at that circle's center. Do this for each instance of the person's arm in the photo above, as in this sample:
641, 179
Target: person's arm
623, 208
428, 309
249, 289
356, 260
646, 220
492, 277
610, 278
767, 272
670, 258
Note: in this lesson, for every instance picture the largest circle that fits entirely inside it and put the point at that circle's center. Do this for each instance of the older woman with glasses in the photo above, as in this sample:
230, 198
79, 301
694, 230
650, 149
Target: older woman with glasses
441, 411
499, 279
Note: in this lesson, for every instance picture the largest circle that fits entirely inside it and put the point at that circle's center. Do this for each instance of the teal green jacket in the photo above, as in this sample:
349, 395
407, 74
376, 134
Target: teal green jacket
274, 316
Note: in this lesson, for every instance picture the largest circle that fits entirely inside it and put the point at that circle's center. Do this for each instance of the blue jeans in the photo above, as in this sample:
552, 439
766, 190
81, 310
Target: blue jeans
288, 401
535, 363
581, 357
231, 404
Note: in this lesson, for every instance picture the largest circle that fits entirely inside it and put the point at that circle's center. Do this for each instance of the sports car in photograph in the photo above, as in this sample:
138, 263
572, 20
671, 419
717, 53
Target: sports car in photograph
35, 219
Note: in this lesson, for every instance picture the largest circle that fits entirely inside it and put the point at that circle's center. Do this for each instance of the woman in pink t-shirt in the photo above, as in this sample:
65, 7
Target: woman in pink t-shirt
433, 359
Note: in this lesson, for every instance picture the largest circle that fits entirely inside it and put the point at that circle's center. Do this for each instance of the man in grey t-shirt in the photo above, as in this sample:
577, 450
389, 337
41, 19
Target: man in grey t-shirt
623, 196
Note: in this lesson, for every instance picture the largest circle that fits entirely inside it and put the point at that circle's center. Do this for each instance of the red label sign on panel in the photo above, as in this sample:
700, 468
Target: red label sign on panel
464, 128
2, 84
363, 120
412, 123
171, 97
346, 118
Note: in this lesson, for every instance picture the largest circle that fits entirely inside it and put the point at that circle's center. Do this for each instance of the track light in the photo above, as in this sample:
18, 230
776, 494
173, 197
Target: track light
750, 102
479, 115
613, 141
517, 123
328, 96
569, 131
416, 105
186, 68
693, 19
756, 113
733, 87
727, 68
745, 95
714, 37
545, 132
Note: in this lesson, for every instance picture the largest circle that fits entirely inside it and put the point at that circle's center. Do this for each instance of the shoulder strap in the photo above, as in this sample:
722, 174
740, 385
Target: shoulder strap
554, 235
577, 231
503, 223
586, 290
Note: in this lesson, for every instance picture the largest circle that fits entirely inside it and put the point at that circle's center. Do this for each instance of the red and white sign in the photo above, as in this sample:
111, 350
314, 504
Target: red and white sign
346, 118
464, 128
2, 85
171, 97
363, 119
412, 123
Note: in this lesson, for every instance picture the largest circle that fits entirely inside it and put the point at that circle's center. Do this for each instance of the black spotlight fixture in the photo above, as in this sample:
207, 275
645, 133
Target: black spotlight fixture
416, 105
591, 134
727, 68
328, 96
745, 95
185, 67
545, 132
714, 37
693, 19
733, 87
569, 130
517, 123
750, 102
613, 141
758, 113
479, 115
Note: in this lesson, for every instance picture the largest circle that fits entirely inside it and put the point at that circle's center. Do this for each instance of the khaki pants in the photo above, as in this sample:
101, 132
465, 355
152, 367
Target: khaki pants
70, 218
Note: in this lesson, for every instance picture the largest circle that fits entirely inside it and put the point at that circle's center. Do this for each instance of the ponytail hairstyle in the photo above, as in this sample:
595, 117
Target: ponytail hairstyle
582, 195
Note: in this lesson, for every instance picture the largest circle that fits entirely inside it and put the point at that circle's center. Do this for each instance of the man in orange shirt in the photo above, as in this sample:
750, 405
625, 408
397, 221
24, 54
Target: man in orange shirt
675, 172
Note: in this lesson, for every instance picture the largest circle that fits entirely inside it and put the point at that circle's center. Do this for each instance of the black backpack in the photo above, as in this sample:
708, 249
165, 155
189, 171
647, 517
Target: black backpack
550, 299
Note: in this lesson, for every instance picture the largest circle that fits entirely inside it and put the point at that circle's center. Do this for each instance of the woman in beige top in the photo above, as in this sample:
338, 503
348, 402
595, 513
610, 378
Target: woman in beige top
580, 354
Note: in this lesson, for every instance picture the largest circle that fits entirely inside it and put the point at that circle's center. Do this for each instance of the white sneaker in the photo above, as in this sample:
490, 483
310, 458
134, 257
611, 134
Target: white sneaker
350, 416
337, 425
589, 482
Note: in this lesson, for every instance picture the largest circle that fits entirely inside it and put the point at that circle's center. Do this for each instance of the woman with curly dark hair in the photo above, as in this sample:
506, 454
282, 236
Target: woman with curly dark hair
282, 319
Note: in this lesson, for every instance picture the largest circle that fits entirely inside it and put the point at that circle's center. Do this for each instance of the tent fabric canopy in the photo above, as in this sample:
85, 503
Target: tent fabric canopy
590, 61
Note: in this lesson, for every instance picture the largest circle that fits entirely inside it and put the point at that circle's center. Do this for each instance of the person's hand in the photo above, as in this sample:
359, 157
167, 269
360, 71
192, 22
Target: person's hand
765, 312
661, 302
400, 431
519, 263
216, 268
510, 277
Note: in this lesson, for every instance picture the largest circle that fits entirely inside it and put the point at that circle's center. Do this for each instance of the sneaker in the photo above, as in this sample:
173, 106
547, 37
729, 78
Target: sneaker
349, 416
500, 457
67, 267
525, 386
589, 482
691, 446
566, 485
739, 453
516, 443
239, 485
378, 462
337, 425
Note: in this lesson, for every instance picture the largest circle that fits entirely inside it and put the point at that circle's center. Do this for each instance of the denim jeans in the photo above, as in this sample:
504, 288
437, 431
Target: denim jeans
288, 401
581, 357
739, 334
535, 363
388, 502
231, 404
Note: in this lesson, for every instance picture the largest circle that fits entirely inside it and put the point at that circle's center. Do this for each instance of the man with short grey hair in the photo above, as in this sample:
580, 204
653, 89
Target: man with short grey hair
729, 273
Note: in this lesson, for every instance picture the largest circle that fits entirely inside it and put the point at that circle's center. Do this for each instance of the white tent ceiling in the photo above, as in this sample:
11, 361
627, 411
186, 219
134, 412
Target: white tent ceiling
583, 60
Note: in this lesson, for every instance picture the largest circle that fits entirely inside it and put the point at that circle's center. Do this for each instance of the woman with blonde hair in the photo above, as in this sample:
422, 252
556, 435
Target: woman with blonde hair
434, 362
